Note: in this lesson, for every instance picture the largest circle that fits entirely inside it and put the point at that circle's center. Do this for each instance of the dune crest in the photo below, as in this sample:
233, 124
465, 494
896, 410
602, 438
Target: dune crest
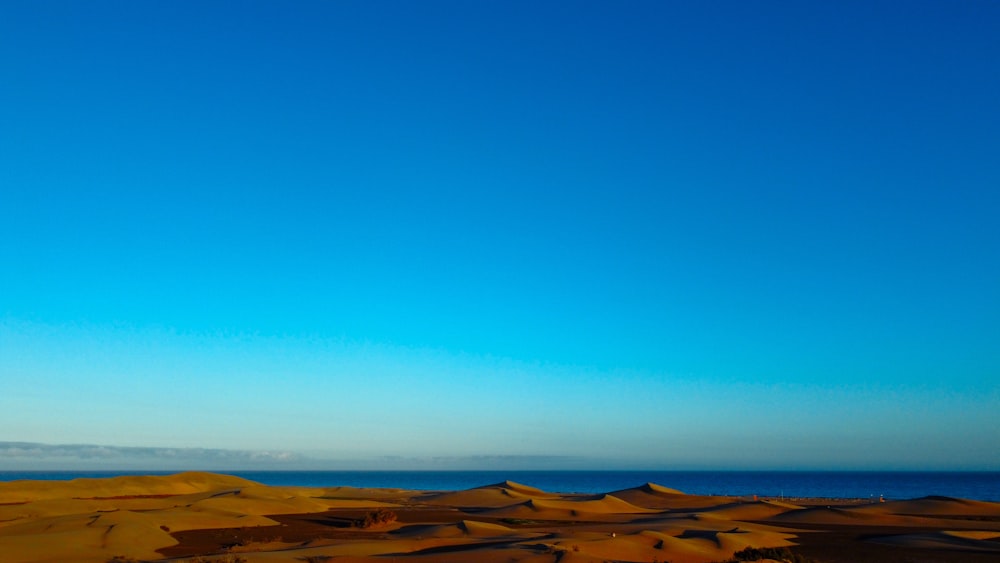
658, 497
124, 486
660, 489
513, 486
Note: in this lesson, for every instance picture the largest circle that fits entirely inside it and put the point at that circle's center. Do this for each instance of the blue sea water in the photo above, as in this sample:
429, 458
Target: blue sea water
817, 484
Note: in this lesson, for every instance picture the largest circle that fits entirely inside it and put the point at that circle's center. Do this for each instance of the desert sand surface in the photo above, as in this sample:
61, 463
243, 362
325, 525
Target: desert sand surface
206, 517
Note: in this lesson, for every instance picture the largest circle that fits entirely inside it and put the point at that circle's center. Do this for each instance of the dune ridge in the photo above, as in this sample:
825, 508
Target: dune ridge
513, 486
659, 489
129, 485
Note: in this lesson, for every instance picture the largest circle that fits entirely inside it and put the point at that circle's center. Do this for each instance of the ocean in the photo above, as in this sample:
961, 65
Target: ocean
815, 484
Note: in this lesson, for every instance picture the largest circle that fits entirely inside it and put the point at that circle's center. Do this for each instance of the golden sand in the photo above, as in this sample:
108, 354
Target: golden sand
183, 516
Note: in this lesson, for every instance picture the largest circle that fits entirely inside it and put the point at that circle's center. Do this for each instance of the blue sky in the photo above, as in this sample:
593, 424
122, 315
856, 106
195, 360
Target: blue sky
564, 235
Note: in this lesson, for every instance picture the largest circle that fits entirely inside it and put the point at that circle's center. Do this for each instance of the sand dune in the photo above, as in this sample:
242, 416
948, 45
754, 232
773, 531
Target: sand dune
757, 510
518, 487
180, 516
915, 513
653, 496
483, 498
940, 540
351, 493
178, 484
840, 516
604, 504
557, 509
463, 528
935, 506
501, 494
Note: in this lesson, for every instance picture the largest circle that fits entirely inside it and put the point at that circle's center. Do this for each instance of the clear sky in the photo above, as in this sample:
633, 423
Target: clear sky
527, 234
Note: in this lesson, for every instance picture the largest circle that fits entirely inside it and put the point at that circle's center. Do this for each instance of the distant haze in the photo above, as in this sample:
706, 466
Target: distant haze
595, 235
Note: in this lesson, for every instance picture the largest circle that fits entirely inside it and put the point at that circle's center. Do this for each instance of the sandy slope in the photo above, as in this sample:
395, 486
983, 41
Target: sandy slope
96, 519
180, 516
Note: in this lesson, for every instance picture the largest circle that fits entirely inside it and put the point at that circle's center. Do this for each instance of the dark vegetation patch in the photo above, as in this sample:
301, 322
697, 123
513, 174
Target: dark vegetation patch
375, 518
775, 553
